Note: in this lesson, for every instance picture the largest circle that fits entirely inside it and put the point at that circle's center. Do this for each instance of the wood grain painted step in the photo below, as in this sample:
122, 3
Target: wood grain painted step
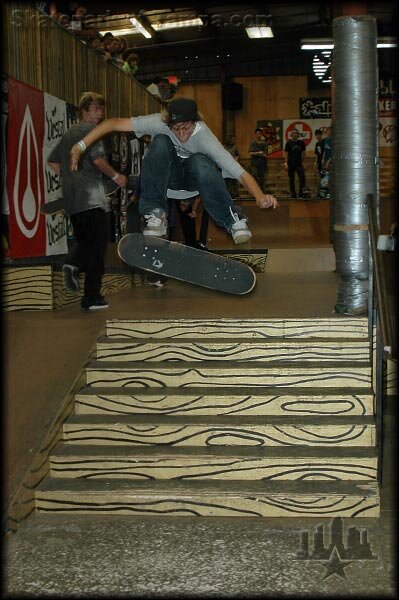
211, 498
215, 431
224, 374
336, 349
246, 463
342, 327
240, 401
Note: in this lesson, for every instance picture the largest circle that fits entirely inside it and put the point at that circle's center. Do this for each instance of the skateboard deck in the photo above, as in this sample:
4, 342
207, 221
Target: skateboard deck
184, 263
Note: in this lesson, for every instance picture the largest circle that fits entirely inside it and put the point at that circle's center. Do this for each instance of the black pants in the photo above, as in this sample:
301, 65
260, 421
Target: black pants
292, 169
90, 229
259, 168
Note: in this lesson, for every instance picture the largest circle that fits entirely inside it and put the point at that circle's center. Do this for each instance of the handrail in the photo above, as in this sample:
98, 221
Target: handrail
380, 277
383, 343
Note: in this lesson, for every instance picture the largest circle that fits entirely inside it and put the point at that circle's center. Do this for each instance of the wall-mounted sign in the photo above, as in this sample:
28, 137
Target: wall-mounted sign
315, 108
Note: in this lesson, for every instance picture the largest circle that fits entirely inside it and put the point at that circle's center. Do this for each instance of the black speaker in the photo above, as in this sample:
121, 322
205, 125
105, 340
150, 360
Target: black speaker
232, 96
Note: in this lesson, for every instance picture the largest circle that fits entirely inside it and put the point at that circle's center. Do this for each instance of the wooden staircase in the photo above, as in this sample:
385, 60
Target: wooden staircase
221, 417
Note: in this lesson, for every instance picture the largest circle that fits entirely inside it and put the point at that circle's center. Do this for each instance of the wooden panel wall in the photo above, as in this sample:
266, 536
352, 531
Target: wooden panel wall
208, 97
267, 98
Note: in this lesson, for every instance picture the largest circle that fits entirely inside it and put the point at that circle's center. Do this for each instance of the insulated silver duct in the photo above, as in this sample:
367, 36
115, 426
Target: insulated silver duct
355, 154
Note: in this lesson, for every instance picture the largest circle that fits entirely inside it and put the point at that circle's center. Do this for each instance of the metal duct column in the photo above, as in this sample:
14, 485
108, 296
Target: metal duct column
355, 155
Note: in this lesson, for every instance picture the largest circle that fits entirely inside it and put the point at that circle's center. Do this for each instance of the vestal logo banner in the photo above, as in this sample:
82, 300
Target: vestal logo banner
36, 123
25, 170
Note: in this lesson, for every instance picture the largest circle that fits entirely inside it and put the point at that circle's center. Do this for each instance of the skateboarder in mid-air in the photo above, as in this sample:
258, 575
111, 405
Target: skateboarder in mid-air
184, 155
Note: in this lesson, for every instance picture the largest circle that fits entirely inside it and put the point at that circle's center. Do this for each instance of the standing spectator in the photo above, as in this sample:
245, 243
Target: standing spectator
318, 154
78, 26
95, 44
131, 63
231, 147
86, 202
113, 49
164, 89
258, 154
123, 46
105, 44
326, 158
318, 149
293, 151
153, 87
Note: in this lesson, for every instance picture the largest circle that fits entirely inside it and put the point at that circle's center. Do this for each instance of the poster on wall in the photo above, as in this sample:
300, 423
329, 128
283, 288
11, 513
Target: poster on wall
388, 132
37, 121
272, 132
315, 108
25, 185
55, 112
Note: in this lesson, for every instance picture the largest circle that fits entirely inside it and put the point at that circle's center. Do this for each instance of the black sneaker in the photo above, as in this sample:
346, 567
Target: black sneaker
293, 196
97, 304
70, 274
200, 246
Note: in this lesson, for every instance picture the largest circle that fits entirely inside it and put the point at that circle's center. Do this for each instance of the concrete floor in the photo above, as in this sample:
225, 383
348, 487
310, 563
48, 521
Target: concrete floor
64, 556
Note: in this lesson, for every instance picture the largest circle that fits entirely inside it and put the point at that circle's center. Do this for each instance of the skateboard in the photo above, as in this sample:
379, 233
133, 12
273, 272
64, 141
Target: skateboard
185, 263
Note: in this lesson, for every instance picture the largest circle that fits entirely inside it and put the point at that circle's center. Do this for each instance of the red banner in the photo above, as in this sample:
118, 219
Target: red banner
25, 170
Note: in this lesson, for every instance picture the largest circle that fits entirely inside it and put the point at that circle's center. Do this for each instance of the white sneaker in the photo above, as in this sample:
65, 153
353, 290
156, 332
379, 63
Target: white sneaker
158, 283
239, 230
157, 223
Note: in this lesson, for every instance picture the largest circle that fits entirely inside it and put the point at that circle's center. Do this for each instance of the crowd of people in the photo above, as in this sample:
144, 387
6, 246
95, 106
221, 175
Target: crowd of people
113, 49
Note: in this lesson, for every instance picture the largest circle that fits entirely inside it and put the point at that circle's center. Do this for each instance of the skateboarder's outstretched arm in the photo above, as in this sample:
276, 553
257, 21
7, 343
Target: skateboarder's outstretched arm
97, 133
251, 185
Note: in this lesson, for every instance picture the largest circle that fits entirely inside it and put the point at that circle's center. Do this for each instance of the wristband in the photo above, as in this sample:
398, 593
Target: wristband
115, 177
82, 145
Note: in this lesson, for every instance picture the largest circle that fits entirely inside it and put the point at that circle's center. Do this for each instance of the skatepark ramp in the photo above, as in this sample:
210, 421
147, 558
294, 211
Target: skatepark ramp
221, 417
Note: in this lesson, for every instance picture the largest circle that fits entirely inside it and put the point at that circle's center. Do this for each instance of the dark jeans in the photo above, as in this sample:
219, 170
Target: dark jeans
90, 229
163, 169
292, 169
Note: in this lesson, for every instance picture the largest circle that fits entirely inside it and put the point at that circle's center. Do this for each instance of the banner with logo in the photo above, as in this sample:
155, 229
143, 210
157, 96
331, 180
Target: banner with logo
315, 108
273, 134
55, 113
388, 132
36, 123
25, 185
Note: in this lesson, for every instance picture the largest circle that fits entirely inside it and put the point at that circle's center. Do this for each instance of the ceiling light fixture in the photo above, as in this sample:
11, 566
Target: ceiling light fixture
117, 32
177, 24
140, 27
259, 32
328, 44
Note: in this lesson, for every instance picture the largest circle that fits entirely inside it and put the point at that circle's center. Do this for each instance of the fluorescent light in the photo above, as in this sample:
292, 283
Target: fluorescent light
259, 32
177, 24
140, 27
317, 44
117, 32
327, 44
387, 42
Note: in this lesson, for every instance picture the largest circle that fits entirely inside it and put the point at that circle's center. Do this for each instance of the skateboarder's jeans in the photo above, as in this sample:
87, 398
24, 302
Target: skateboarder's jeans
163, 169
